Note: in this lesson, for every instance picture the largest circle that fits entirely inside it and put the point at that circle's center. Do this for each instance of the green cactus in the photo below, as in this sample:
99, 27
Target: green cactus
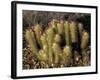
43, 39
53, 45
50, 36
67, 33
67, 55
57, 51
50, 56
73, 32
38, 32
60, 28
84, 39
32, 41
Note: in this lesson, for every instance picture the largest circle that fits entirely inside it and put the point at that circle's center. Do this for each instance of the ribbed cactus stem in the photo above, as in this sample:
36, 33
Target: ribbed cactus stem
38, 32
50, 56
60, 28
45, 48
50, 36
57, 51
84, 39
29, 35
43, 39
67, 33
73, 32
67, 54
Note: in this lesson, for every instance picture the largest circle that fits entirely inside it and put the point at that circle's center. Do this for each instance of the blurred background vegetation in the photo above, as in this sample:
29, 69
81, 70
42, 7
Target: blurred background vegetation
30, 18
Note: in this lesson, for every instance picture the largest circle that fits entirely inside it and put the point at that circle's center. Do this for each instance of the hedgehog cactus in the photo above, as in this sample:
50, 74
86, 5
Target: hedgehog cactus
53, 46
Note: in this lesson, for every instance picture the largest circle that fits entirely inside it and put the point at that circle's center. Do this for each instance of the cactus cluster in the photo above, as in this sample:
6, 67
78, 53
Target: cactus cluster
60, 44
